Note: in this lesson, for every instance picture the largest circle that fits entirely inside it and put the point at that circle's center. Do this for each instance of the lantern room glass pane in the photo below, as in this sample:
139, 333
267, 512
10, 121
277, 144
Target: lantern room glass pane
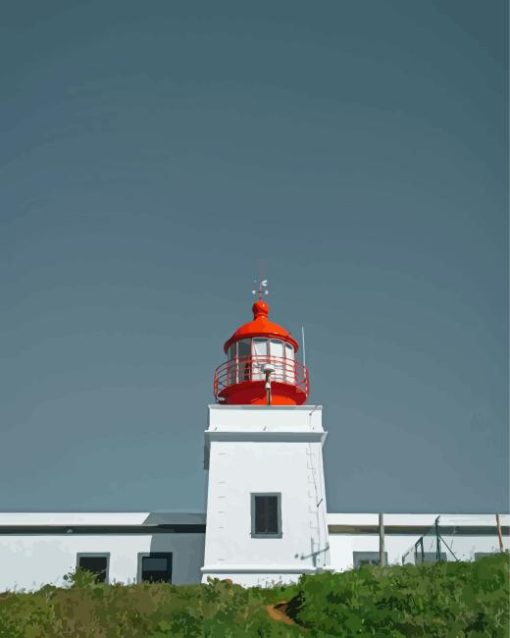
243, 348
232, 368
290, 370
259, 353
260, 347
243, 359
277, 360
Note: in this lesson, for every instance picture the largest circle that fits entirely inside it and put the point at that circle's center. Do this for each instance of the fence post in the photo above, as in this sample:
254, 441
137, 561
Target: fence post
382, 561
438, 540
500, 537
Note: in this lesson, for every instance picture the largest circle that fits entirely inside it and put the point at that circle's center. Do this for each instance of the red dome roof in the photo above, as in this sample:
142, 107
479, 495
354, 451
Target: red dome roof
261, 326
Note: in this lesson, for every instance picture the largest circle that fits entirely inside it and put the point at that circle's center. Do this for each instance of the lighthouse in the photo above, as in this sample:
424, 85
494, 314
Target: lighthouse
266, 520
266, 500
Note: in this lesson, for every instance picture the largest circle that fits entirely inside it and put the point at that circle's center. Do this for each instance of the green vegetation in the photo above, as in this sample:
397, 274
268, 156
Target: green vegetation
443, 599
446, 599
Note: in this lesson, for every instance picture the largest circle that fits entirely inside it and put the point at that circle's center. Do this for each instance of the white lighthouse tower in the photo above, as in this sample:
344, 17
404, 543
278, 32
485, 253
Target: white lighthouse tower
266, 501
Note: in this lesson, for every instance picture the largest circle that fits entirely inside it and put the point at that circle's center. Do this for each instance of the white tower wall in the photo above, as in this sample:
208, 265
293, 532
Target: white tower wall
256, 450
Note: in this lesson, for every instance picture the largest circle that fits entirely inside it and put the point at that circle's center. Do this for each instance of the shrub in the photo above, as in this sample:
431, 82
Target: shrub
447, 599
442, 599
87, 609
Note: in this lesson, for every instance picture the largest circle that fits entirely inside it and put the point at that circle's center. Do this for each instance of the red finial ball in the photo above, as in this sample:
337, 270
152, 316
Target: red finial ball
260, 309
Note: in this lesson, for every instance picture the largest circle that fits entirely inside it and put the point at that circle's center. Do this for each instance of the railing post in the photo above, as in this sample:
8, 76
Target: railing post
438, 540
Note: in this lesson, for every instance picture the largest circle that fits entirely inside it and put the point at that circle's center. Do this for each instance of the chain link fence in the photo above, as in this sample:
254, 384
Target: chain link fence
454, 538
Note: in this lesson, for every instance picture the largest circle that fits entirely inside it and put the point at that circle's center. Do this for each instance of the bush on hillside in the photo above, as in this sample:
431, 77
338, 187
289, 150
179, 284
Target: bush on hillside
447, 599
441, 599
91, 610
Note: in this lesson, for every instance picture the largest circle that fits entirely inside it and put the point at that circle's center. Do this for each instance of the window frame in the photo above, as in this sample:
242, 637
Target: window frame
142, 555
254, 533
95, 555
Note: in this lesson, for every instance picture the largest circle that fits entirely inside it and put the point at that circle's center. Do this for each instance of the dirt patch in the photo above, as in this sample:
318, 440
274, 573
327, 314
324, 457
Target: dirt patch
278, 612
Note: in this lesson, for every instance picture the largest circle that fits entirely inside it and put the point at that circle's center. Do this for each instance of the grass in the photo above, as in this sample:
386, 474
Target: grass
446, 599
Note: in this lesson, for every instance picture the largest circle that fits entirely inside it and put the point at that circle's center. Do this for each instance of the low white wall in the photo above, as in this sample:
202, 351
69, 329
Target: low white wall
31, 561
342, 547
464, 547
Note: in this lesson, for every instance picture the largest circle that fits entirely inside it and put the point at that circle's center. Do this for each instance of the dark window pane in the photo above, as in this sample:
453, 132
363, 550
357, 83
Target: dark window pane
155, 564
244, 353
157, 568
266, 515
95, 564
367, 558
244, 348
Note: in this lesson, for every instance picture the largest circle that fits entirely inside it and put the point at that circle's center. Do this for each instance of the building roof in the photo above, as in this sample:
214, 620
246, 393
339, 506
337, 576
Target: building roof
415, 519
101, 523
101, 518
416, 524
261, 326
195, 522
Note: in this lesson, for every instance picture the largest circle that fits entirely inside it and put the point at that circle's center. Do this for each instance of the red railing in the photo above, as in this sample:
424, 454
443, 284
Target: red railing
244, 369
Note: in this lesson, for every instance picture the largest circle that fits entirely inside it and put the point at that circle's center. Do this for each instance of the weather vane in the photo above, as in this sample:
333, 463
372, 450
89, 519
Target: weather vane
261, 288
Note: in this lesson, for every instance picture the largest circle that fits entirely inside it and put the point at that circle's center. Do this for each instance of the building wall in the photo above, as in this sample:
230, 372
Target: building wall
31, 561
261, 468
265, 450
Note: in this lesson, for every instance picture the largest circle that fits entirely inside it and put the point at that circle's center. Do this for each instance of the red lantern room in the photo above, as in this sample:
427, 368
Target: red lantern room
261, 366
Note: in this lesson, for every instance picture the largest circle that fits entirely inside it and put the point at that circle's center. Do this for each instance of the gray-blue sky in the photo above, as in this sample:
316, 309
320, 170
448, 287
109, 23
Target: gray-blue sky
155, 157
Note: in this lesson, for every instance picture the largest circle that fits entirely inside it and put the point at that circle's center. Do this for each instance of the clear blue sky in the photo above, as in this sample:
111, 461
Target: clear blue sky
155, 157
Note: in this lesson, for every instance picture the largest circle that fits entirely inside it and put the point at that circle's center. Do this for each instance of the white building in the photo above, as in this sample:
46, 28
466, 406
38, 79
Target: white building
266, 517
36, 549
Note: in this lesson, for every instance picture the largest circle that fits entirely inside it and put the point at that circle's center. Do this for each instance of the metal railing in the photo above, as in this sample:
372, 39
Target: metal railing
245, 369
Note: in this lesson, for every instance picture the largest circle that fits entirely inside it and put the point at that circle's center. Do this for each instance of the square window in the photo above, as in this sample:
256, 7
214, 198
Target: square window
367, 558
483, 554
155, 567
266, 515
95, 563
